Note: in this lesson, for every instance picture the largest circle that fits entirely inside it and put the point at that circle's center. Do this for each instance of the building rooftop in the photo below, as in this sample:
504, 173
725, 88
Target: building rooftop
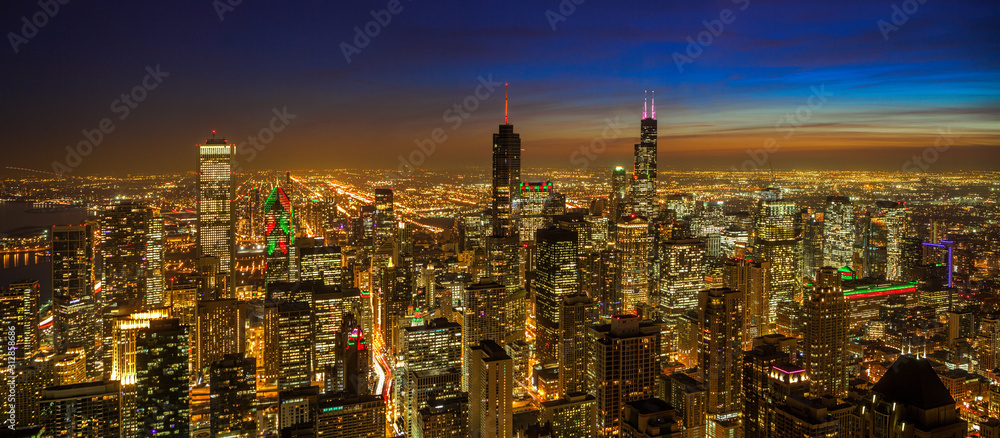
912, 381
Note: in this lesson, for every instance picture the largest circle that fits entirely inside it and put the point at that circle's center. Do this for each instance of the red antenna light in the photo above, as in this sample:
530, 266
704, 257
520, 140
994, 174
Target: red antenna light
506, 107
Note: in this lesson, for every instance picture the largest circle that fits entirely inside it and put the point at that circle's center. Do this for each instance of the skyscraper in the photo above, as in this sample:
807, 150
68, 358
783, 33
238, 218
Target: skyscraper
491, 378
682, 273
530, 209
351, 417
73, 291
720, 352
754, 280
757, 398
19, 309
635, 243
502, 252
85, 409
909, 398
219, 331
124, 348
232, 391
824, 326
644, 168
216, 206
556, 277
777, 241
279, 236
624, 362
295, 341
618, 199
385, 218
162, 379
885, 228
483, 318
838, 231
576, 312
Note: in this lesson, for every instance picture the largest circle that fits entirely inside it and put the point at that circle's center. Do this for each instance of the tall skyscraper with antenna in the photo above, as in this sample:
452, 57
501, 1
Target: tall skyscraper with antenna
644, 169
504, 240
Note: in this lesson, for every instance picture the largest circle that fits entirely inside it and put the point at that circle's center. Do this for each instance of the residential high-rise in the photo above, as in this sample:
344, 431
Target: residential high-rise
720, 351
73, 291
757, 394
232, 392
576, 312
635, 243
216, 206
161, 357
687, 396
295, 341
530, 209
824, 327
624, 362
262, 336
644, 166
279, 237
572, 415
85, 409
556, 277
754, 280
777, 240
491, 378
650, 418
682, 273
838, 231
19, 309
443, 418
483, 318
219, 331
437, 344
503, 242
322, 263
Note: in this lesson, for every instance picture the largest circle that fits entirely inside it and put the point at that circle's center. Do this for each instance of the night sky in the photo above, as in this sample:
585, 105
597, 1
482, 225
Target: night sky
935, 79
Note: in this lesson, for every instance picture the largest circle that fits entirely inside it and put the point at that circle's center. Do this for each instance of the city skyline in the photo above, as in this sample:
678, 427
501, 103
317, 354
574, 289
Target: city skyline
888, 85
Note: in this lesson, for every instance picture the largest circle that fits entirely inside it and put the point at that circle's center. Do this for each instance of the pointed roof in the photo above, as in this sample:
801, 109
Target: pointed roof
912, 381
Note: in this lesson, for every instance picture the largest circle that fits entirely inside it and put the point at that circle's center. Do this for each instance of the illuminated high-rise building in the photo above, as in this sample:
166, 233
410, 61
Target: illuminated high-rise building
262, 336
503, 242
530, 209
436, 346
279, 237
219, 331
357, 362
753, 279
838, 231
687, 395
777, 241
911, 400
124, 346
682, 273
824, 327
295, 341
575, 313
232, 393
720, 352
483, 318
216, 206
491, 380
650, 418
572, 415
323, 263
73, 292
556, 277
618, 199
885, 228
644, 168
162, 398
385, 218
19, 308
624, 357
90, 409
635, 243
757, 398
443, 418
329, 309
155, 245
351, 417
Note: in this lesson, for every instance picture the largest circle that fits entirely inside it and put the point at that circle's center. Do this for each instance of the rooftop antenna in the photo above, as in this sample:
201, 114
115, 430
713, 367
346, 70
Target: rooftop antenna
644, 104
654, 104
506, 106
213, 134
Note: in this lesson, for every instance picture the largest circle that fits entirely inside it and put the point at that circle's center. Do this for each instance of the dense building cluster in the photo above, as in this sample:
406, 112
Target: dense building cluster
233, 304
